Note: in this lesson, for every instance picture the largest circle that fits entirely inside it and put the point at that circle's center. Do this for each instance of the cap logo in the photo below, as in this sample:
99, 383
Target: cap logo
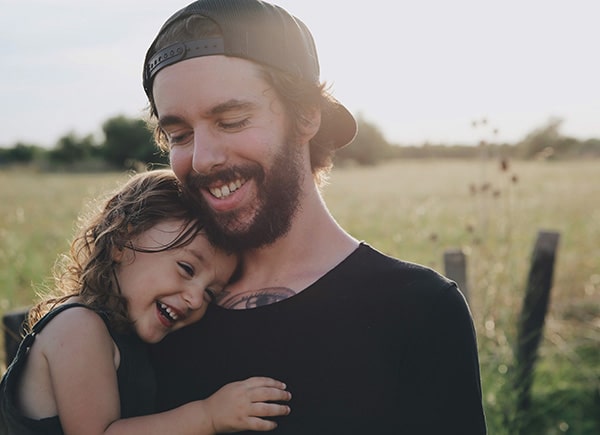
182, 51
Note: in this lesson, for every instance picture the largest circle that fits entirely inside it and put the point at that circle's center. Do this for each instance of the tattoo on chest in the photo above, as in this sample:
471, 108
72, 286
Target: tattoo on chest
254, 298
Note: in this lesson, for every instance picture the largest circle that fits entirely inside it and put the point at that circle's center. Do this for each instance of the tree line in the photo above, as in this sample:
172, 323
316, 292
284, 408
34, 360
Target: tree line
128, 144
543, 143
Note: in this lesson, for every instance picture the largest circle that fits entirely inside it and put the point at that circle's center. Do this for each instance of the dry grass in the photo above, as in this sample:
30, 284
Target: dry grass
417, 209
413, 210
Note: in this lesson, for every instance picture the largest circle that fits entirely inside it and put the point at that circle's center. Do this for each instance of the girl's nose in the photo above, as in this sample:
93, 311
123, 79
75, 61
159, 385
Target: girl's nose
195, 298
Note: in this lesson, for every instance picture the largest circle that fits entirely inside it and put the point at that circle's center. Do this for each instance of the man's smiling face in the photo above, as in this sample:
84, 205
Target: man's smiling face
230, 143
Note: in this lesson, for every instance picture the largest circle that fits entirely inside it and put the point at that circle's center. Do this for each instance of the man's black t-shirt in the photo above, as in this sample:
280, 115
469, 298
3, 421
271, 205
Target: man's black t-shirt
376, 346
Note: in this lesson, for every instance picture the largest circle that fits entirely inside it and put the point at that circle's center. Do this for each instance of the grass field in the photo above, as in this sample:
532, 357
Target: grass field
414, 210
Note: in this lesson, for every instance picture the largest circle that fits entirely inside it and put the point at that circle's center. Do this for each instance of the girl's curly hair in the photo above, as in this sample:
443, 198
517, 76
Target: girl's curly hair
87, 271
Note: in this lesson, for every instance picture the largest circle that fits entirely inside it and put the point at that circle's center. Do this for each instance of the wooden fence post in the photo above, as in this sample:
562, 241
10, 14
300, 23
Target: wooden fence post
533, 313
12, 324
455, 268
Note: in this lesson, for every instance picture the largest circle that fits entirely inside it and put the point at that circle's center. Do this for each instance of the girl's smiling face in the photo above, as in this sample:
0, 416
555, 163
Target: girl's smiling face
169, 289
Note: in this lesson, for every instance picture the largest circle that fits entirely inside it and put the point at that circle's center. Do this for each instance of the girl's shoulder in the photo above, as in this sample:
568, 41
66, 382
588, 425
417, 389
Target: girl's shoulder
56, 359
71, 327
70, 314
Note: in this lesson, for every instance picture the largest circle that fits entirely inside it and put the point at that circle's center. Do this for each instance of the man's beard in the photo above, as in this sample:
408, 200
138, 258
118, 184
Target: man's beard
278, 193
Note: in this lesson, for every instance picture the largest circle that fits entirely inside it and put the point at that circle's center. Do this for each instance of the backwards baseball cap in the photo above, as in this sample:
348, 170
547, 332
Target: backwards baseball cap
260, 32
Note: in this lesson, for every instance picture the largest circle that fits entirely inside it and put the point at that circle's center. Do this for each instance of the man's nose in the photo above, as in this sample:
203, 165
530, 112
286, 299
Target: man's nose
209, 151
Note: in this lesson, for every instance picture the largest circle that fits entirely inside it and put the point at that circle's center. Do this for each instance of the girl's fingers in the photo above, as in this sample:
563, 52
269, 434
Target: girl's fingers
259, 381
258, 424
261, 409
264, 394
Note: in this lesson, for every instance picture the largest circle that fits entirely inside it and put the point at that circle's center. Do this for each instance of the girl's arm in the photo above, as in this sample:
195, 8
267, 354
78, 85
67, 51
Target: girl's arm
82, 364
235, 407
82, 361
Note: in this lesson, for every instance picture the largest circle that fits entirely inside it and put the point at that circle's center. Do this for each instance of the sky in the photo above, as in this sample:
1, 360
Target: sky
420, 70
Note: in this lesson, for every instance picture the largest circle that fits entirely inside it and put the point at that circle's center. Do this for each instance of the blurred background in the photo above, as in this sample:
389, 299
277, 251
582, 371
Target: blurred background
479, 138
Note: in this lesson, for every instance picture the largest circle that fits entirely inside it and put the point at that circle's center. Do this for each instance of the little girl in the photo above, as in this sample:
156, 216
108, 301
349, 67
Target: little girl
140, 268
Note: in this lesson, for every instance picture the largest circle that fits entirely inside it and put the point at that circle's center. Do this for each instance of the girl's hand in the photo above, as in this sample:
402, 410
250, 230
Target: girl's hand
240, 405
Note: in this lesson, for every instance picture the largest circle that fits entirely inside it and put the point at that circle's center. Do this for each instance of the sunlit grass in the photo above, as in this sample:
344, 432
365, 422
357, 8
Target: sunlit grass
37, 217
415, 210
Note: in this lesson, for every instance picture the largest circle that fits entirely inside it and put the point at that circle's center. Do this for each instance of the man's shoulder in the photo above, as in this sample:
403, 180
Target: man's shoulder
390, 277
369, 261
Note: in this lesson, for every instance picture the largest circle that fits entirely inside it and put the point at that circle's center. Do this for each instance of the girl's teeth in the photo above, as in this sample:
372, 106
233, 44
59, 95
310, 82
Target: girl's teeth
169, 311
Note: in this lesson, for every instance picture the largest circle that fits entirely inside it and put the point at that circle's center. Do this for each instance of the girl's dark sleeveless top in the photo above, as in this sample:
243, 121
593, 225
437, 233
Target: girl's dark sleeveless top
137, 384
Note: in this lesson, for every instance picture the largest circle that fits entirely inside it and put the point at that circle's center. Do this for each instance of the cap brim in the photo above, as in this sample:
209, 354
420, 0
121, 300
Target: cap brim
338, 126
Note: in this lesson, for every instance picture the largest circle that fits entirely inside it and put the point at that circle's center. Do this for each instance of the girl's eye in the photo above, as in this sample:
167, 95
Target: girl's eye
189, 270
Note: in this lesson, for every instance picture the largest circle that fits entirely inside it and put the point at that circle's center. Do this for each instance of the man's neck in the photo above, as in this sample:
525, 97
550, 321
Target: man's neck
314, 245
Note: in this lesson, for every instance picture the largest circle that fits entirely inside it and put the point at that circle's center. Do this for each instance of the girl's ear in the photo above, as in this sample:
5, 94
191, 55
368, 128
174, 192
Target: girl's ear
119, 241
117, 254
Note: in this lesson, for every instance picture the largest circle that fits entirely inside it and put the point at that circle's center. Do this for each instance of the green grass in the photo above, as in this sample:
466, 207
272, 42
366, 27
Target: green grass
37, 219
415, 210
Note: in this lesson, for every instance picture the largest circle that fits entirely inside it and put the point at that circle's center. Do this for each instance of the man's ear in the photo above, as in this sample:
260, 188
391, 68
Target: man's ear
309, 125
